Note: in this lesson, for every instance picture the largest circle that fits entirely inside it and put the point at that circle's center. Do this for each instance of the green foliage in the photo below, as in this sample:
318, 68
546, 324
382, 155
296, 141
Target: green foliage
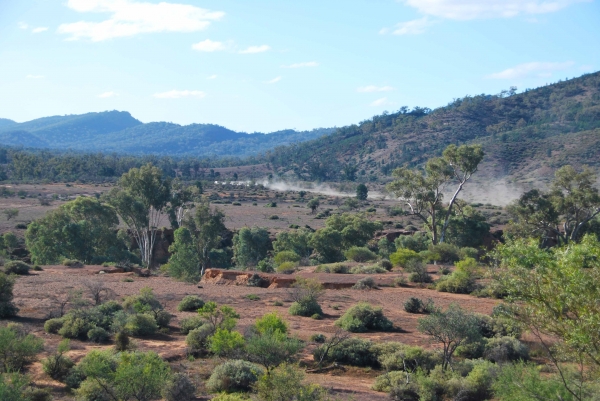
146, 303
250, 245
98, 335
359, 254
451, 328
394, 356
327, 243
271, 322
505, 349
416, 305
141, 325
418, 272
417, 242
225, 342
82, 229
52, 326
234, 375
355, 229
7, 307
445, 253
13, 387
337, 268
197, 339
16, 267
362, 192
190, 303
286, 268
179, 387
223, 317
351, 351
286, 256
296, 241
306, 308
462, 280
17, 349
190, 323
184, 263
313, 204
57, 365
467, 229
271, 348
362, 317
385, 247
366, 283
286, 383
402, 256
373, 269
306, 293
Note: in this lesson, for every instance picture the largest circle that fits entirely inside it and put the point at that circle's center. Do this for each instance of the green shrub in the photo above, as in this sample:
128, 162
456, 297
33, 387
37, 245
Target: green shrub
387, 381
179, 387
360, 254
363, 317
402, 256
76, 264
121, 341
305, 308
141, 325
286, 256
98, 335
397, 356
286, 268
337, 268
352, 351
224, 342
386, 264
163, 318
16, 267
445, 253
190, 303
76, 324
52, 326
252, 297
197, 339
417, 242
271, 322
505, 349
57, 365
92, 391
373, 269
468, 252
286, 382
318, 338
413, 305
17, 348
235, 375
233, 396
366, 283
462, 280
190, 323
419, 273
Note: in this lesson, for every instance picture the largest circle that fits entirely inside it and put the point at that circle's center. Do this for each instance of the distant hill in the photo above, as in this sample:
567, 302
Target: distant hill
115, 131
526, 136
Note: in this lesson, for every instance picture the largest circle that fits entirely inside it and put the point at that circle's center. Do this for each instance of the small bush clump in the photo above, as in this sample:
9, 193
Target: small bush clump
374, 269
360, 254
416, 305
16, 267
505, 349
363, 317
366, 283
76, 264
190, 303
352, 351
235, 375
179, 388
337, 268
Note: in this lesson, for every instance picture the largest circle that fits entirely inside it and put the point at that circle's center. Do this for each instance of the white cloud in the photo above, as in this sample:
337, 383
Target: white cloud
212, 77
302, 65
256, 49
130, 17
473, 9
273, 81
373, 88
539, 69
380, 102
209, 46
414, 27
106, 95
39, 29
175, 94
35, 76
23, 25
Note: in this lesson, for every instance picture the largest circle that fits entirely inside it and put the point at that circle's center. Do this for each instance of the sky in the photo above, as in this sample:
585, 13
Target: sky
267, 65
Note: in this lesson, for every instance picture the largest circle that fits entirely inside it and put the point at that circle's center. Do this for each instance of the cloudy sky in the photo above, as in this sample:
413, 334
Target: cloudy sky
265, 65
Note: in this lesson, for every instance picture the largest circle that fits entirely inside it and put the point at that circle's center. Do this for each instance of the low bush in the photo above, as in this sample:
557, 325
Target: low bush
318, 338
397, 356
75, 264
17, 348
445, 253
305, 308
286, 268
352, 351
16, 267
462, 280
235, 375
286, 256
179, 387
190, 323
225, 342
141, 325
373, 269
57, 365
363, 317
360, 254
402, 256
413, 305
505, 349
419, 273
468, 252
197, 339
190, 303
337, 268
98, 335
386, 264
271, 322
387, 381
52, 326
366, 283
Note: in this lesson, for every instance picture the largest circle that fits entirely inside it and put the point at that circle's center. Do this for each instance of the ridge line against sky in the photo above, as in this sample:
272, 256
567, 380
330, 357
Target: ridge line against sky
268, 66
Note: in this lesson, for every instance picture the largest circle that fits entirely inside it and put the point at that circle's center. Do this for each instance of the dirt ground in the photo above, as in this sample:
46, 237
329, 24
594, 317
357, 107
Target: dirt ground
38, 295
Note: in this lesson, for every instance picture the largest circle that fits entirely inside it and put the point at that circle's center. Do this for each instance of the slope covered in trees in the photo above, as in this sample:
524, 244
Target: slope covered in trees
115, 131
524, 135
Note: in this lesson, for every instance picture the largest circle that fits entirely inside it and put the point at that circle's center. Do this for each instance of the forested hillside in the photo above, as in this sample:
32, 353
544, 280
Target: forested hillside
526, 136
119, 132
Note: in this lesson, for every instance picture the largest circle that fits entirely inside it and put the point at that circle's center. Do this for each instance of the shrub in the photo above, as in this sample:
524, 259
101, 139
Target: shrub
397, 356
419, 272
271, 322
286, 268
400, 281
360, 254
413, 305
273, 217
16, 267
286, 256
98, 335
318, 338
445, 253
305, 308
402, 256
505, 349
190, 323
76, 324
337, 268
305, 293
286, 383
468, 252
230, 397
190, 303
72, 263
52, 326
387, 381
462, 280
197, 339
417, 242
57, 366
374, 269
121, 341
366, 283
386, 264
352, 351
140, 325
162, 318
224, 342
179, 388
363, 317
17, 348
235, 375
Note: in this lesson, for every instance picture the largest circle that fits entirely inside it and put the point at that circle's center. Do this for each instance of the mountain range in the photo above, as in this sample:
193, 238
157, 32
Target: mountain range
118, 131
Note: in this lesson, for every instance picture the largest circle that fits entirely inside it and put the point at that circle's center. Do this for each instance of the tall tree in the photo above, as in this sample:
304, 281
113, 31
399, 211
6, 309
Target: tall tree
207, 226
140, 200
424, 193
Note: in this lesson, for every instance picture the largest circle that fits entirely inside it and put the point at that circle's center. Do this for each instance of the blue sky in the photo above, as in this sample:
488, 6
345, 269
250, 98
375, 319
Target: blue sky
265, 65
